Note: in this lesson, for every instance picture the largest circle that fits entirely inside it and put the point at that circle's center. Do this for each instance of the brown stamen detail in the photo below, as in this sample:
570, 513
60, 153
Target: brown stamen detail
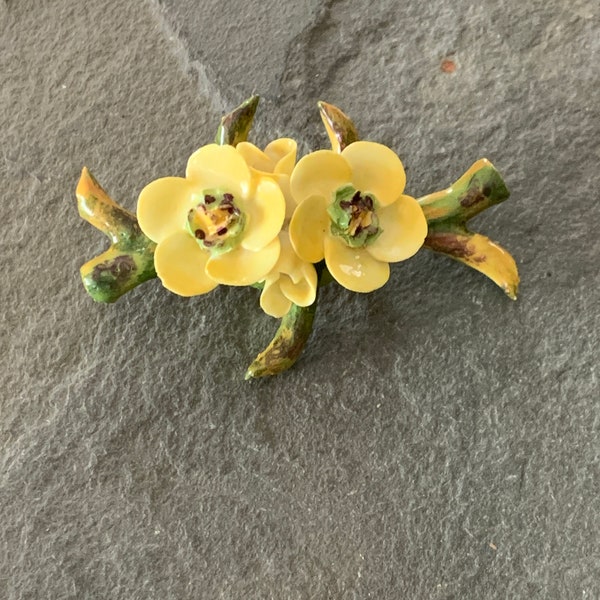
360, 223
216, 222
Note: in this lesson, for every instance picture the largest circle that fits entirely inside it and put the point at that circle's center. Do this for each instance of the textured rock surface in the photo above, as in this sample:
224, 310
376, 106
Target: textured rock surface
435, 441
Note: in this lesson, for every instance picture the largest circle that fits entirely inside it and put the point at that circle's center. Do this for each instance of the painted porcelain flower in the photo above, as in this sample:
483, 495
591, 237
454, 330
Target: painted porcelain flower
219, 224
291, 280
276, 161
352, 212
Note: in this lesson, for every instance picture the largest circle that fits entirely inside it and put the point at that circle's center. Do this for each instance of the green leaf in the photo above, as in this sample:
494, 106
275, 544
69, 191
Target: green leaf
235, 126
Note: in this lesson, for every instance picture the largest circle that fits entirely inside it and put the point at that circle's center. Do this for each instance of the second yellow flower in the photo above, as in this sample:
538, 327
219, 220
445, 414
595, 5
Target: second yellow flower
353, 213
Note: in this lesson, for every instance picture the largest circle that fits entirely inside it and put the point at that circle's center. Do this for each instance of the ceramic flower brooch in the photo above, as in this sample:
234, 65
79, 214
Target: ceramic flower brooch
242, 216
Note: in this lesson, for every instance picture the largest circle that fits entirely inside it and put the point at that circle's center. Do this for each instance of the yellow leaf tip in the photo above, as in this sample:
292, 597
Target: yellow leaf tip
85, 182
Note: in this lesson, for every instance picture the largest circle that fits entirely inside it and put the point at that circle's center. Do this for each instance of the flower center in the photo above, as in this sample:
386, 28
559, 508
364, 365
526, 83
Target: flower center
353, 217
216, 222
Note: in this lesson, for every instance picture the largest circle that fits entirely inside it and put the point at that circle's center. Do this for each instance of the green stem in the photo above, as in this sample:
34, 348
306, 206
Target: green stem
287, 345
479, 188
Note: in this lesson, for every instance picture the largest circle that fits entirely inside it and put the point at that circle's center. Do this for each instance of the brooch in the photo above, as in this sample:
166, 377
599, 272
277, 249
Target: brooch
243, 216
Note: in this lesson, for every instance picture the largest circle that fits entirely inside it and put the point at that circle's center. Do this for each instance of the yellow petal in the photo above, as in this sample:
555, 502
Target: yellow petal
302, 293
272, 300
288, 261
290, 204
376, 169
283, 154
255, 158
221, 167
278, 158
163, 206
243, 267
319, 174
265, 212
180, 264
404, 228
354, 268
308, 227
309, 274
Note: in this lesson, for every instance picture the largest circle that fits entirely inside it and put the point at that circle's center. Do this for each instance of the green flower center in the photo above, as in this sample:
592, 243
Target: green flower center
353, 217
216, 222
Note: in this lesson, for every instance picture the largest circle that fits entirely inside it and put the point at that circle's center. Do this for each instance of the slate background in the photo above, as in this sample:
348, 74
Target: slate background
436, 440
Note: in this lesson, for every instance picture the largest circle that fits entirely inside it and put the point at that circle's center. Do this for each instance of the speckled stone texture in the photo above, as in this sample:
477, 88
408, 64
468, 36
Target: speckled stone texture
436, 441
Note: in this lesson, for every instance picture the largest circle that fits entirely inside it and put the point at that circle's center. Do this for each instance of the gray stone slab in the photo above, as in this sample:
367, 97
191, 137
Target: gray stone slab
436, 440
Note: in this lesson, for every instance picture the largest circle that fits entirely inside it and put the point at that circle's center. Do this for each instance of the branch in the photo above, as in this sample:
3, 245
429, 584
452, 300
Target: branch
130, 259
447, 214
287, 345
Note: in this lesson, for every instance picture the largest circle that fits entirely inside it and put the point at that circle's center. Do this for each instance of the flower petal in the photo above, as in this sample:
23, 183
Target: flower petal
163, 205
404, 228
302, 293
255, 158
283, 154
288, 261
354, 268
376, 169
180, 263
290, 204
265, 212
278, 158
319, 174
308, 227
219, 167
241, 266
272, 300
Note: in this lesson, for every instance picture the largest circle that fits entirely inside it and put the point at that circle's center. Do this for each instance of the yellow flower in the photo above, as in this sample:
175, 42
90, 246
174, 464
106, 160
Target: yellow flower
276, 161
219, 224
291, 280
352, 212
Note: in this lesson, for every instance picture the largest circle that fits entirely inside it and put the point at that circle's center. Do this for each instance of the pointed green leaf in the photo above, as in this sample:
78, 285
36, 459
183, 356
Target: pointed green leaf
236, 125
340, 129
